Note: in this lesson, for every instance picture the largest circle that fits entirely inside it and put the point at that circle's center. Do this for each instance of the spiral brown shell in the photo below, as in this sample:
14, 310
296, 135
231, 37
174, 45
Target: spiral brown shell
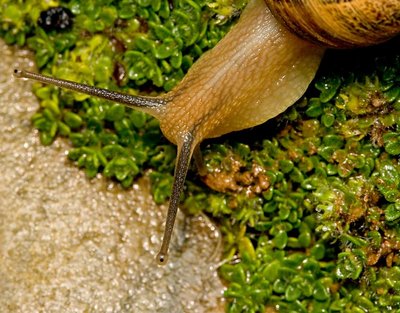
340, 23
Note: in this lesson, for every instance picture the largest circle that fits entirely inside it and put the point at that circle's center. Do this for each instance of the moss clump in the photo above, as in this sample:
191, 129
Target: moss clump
309, 213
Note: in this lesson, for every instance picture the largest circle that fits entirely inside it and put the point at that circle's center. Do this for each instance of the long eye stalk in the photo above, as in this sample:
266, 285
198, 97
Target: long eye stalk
181, 168
151, 105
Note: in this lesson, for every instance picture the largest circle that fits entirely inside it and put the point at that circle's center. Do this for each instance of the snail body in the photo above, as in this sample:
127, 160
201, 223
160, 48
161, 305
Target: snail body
254, 73
248, 79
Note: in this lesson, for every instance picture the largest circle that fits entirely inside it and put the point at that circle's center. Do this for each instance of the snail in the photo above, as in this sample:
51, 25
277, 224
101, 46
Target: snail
260, 68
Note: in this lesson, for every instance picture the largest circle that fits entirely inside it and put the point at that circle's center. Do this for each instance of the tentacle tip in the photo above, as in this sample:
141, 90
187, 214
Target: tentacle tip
17, 72
162, 258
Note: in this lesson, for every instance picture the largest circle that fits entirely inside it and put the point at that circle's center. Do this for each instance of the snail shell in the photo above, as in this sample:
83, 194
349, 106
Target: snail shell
255, 72
340, 23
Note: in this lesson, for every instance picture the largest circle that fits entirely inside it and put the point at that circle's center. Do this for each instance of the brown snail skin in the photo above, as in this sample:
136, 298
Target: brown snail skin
253, 74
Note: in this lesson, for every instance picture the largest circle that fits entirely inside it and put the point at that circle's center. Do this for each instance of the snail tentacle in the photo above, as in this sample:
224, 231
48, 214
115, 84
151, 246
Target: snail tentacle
199, 161
182, 164
151, 105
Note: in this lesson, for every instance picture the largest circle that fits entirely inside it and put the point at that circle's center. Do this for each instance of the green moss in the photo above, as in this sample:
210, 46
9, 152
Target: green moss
332, 200
310, 208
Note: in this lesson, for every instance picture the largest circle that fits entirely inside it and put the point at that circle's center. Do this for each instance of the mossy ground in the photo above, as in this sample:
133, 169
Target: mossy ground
310, 203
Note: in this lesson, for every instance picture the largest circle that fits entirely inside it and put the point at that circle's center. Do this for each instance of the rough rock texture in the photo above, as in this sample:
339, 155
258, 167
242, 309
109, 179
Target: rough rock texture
68, 244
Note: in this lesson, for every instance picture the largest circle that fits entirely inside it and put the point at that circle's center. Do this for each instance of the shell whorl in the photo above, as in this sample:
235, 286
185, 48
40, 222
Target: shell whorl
340, 23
